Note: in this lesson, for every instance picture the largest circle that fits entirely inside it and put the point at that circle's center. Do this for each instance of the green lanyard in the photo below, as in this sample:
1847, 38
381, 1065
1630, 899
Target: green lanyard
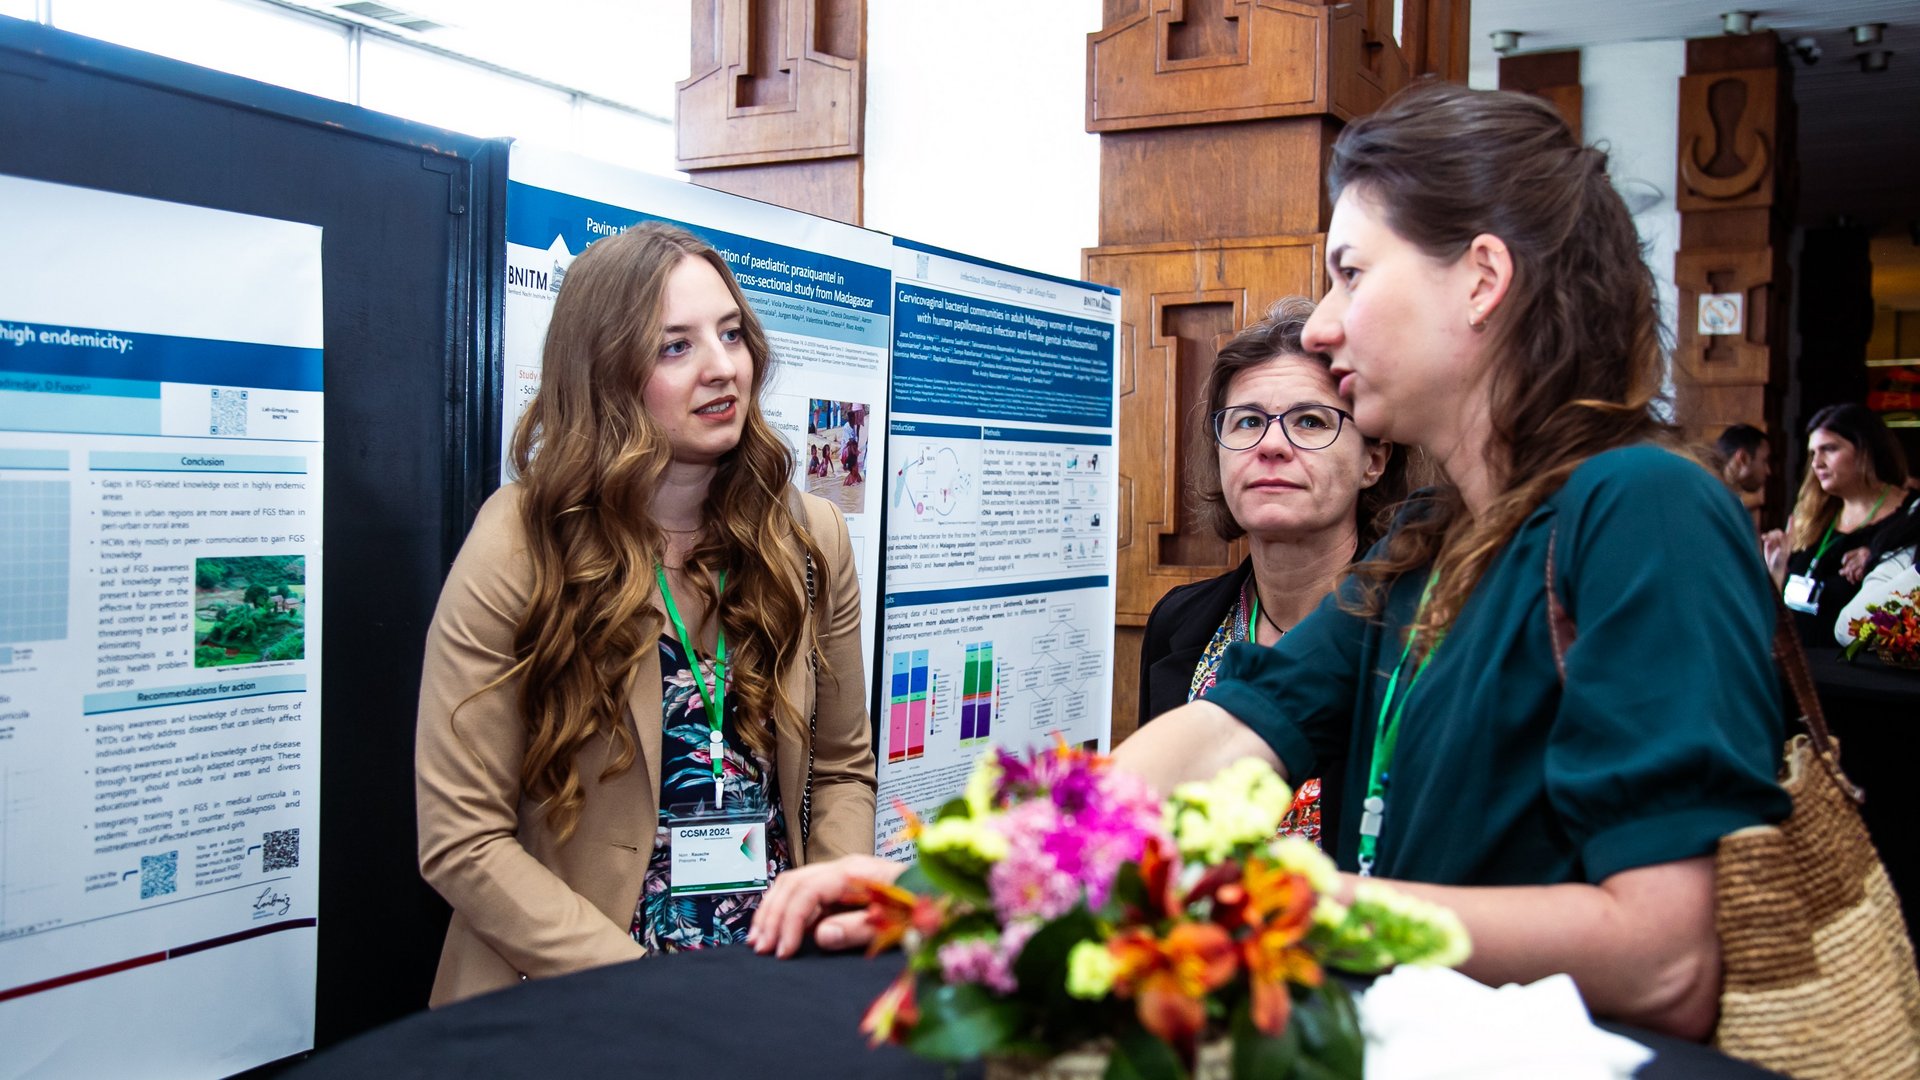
1828, 538
1386, 734
714, 698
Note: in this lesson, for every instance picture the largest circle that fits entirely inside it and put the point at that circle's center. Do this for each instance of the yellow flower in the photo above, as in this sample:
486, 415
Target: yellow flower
1090, 971
1242, 805
981, 784
964, 837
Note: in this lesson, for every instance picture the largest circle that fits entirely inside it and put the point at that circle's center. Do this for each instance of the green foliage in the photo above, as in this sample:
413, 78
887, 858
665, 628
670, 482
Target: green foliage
257, 595
960, 1023
236, 626
282, 591
1138, 1055
291, 647
208, 655
209, 573
948, 877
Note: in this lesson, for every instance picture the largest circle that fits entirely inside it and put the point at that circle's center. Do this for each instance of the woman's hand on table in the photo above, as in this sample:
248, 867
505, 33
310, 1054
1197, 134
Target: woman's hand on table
818, 894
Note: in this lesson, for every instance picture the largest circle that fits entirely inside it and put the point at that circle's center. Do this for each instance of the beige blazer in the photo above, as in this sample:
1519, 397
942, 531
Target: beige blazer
524, 903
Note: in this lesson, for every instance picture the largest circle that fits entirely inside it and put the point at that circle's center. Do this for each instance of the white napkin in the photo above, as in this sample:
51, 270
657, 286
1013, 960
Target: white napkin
1433, 1023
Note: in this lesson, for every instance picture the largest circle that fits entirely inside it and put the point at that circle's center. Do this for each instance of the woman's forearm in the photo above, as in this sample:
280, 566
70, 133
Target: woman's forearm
1641, 945
1191, 742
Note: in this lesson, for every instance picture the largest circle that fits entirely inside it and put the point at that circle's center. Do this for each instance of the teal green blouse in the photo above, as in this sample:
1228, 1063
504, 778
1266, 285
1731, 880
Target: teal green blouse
1665, 736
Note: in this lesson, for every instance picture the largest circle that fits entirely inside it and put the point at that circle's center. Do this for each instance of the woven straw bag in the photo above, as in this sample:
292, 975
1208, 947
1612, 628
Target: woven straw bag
1817, 970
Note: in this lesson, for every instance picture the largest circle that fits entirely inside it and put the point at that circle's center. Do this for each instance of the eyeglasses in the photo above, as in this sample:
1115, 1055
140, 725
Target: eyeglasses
1307, 427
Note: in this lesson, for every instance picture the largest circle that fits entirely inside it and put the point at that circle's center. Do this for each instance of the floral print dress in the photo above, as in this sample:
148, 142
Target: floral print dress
663, 922
1303, 819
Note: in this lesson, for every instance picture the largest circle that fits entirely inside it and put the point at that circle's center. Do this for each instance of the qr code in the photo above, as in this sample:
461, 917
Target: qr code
229, 412
280, 850
157, 874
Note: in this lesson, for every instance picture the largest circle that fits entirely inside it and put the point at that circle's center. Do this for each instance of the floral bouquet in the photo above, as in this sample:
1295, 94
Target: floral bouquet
1891, 629
1060, 906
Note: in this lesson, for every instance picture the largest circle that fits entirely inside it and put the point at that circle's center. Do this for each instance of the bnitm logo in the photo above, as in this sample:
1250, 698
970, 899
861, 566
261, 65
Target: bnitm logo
1098, 303
526, 277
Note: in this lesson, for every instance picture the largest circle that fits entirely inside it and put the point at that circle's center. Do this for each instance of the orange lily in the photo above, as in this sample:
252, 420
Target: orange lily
1280, 908
892, 911
893, 1013
1171, 978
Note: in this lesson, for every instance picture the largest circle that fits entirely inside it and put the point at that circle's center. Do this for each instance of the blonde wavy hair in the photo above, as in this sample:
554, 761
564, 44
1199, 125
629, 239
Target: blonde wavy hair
589, 458
1575, 348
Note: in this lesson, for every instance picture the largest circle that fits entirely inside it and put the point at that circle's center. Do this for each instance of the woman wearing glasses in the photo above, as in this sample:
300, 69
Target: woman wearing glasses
1282, 465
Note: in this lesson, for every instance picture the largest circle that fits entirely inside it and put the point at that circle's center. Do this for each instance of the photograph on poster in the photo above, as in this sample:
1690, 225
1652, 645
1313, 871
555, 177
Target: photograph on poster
837, 441
249, 609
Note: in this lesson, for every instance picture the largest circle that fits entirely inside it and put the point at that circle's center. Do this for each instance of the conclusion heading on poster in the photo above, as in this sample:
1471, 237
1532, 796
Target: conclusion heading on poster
160, 501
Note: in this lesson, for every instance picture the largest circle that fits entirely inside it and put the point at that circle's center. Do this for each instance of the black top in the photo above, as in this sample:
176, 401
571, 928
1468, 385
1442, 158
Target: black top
1836, 592
1178, 630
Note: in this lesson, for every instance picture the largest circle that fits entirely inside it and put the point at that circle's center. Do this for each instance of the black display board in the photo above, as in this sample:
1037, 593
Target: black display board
411, 217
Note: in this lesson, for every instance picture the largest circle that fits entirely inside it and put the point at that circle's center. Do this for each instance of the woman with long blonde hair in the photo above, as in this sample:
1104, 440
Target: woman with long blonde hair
643, 695
1855, 485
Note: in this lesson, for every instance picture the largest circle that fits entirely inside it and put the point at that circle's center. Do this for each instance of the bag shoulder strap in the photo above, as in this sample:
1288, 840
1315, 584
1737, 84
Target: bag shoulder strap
1787, 653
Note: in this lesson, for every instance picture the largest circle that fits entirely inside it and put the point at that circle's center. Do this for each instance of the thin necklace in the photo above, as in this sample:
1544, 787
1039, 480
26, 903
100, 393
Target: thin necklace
1262, 613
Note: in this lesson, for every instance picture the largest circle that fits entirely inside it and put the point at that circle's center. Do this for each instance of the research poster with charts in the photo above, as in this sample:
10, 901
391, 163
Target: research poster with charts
1001, 462
819, 288
160, 583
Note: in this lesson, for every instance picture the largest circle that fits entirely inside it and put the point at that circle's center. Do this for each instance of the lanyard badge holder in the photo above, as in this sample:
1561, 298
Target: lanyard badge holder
1386, 735
715, 848
718, 849
1802, 593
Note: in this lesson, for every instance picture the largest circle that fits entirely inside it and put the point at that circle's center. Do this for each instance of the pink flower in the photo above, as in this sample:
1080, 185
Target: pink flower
984, 960
1073, 842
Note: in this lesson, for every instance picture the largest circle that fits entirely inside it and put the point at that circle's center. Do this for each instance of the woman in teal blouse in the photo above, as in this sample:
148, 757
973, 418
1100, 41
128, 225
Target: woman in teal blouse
1489, 304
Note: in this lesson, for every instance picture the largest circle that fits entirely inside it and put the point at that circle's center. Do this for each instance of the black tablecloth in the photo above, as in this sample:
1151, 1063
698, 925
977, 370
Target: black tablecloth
1865, 679
713, 1014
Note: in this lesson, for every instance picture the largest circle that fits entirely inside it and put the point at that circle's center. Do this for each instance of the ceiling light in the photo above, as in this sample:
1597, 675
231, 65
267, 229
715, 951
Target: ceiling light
1874, 60
1868, 33
1505, 41
1737, 22
1807, 49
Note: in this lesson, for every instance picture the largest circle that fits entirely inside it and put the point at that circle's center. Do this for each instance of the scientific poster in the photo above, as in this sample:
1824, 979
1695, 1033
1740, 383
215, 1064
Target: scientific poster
819, 287
999, 609
160, 615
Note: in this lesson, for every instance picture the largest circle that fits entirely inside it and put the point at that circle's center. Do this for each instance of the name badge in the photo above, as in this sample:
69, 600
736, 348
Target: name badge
1802, 594
718, 857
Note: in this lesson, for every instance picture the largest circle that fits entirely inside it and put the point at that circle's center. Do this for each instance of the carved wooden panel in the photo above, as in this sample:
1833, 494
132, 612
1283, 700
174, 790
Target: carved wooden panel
1170, 62
1258, 178
772, 81
1177, 302
1723, 358
1729, 143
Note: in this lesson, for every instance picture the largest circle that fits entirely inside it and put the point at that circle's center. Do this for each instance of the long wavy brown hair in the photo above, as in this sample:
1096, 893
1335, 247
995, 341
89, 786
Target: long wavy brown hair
589, 458
1574, 349
1882, 462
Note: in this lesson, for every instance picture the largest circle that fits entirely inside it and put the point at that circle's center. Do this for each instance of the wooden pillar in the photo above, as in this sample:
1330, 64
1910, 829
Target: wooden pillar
1215, 120
1735, 195
773, 107
1554, 76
